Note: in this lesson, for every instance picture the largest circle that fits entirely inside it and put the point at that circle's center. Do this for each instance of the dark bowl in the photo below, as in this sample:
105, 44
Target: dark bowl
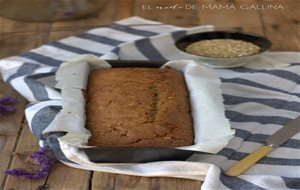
256, 39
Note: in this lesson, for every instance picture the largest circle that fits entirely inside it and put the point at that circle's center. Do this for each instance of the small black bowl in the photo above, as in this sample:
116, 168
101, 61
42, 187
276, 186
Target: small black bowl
258, 40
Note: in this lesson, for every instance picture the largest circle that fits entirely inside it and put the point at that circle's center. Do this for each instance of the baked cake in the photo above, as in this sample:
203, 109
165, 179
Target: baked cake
138, 107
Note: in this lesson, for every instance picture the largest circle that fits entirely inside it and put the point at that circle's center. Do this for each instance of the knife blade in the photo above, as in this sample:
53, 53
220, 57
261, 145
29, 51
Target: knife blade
282, 135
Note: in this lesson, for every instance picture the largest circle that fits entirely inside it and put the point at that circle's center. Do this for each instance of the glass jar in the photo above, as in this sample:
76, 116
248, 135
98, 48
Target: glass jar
49, 10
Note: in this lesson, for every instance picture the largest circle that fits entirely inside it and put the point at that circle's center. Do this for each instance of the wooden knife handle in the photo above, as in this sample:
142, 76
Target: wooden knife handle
248, 161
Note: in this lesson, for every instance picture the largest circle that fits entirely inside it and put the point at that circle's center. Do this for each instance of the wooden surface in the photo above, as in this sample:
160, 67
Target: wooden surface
280, 26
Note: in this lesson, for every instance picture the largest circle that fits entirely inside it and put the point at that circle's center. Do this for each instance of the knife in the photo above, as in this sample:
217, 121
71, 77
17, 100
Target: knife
272, 142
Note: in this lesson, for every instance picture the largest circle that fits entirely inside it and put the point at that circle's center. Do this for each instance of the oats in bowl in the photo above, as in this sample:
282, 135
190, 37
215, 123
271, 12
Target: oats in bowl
222, 48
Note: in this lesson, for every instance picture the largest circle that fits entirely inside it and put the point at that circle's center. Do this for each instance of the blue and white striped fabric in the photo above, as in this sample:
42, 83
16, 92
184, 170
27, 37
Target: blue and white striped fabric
259, 99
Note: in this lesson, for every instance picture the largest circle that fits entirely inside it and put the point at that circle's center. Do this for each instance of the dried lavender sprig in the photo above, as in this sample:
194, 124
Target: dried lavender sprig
6, 100
43, 158
17, 172
6, 109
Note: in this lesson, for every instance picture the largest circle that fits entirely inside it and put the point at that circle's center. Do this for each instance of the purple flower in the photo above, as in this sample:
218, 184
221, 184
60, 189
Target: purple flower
44, 158
6, 100
5, 104
7, 109
17, 172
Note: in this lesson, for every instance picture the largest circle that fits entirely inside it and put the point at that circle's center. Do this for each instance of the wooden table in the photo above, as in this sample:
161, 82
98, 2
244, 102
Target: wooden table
281, 26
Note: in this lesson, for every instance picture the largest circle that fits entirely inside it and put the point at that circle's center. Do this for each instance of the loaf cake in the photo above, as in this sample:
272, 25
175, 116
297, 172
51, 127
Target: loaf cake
138, 107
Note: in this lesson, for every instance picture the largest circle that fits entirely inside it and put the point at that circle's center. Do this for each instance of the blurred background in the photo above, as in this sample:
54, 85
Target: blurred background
49, 10
26, 24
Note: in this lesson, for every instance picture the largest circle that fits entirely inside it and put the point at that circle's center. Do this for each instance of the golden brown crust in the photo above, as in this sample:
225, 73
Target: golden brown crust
138, 107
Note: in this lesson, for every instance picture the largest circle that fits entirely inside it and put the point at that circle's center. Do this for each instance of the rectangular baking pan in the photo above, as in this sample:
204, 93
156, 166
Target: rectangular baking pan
135, 155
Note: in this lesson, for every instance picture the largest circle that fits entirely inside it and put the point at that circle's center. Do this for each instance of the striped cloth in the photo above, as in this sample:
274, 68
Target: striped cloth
259, 99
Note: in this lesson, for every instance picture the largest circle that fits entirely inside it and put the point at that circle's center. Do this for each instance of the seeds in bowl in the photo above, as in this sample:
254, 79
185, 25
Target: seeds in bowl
222, 48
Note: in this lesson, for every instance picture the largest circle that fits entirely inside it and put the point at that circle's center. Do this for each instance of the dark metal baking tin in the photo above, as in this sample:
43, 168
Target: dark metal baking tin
135, 155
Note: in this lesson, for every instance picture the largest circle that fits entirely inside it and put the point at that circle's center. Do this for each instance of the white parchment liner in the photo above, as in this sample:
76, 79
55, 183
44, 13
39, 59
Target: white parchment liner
212, 129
